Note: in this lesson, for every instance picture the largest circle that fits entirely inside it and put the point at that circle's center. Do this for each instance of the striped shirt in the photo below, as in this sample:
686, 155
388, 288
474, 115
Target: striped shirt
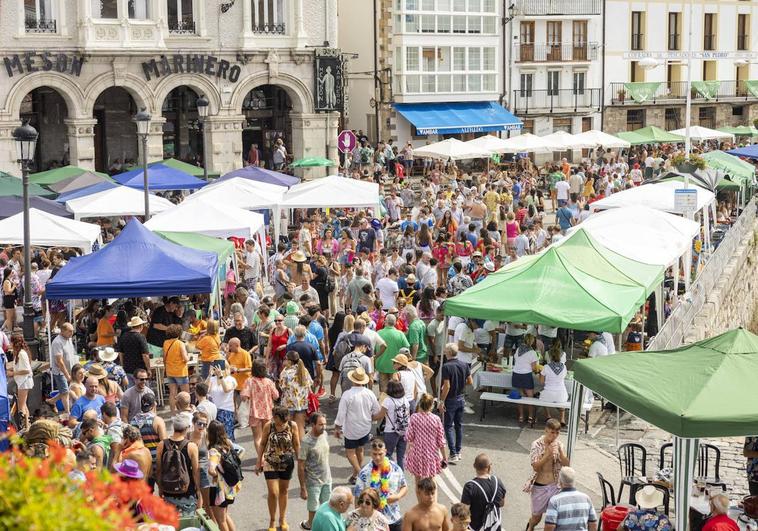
570, 510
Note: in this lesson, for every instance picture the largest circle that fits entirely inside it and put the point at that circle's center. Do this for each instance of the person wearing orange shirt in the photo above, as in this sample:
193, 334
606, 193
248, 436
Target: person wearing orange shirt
565, 168
210, 349
175, 360
240, 363
106, 335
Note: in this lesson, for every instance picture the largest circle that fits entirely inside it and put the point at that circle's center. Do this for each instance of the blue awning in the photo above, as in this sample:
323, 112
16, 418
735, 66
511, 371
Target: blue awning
458, 117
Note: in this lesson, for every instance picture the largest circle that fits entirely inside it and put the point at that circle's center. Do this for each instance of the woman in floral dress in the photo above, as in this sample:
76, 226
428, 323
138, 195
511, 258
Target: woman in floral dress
295, 383
261, 391
426, 441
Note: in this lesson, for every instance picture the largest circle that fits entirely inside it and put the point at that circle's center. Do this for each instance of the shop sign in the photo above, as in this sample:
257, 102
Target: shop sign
210, 65
329, 79
44, 61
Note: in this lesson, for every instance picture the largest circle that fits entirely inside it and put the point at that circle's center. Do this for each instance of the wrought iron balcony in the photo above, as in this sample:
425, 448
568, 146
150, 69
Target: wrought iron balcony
185, 26
545, 53
40, 25
539, 101
532, 8
270, 29
676, 91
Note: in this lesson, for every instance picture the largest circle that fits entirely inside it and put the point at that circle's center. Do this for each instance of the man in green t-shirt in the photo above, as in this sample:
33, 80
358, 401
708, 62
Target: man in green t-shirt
395, 340
329, 515
552, 179
416, 335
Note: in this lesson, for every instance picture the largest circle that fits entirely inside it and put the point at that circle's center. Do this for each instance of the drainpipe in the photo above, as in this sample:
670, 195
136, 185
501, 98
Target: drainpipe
377, 88
602, 76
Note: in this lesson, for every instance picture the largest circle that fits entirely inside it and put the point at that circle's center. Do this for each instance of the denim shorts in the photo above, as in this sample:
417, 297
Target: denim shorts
60, 383
317, 495
177, 380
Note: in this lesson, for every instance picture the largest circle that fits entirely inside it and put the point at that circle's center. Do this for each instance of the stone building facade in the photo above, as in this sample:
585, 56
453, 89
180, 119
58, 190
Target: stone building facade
80, 69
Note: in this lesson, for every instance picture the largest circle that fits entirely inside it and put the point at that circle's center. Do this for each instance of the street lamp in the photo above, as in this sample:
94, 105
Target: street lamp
202, 112
142, 119
26, 144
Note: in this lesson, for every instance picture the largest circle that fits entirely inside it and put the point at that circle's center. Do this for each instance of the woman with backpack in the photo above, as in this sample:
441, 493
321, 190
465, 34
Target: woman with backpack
396, 412
280, 445
425, 436
221, 494
199, 436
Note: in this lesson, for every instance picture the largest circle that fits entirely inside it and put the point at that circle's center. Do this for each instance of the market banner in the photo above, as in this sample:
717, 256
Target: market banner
752, 86
707, 89
642, 91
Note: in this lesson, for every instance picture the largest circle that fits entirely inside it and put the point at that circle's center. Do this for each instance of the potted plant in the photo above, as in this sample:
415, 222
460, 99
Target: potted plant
684, 165
621, 95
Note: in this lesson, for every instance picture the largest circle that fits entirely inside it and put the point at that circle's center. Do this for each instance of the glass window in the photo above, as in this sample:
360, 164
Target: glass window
475, 24
105, 8
489, 83
474, 6
427, 5
427, 23
459, 83
488, 58
490, 25
138, 9
411, 24
459, 5
474, 59
553, 81
526, 85
411, 59
443, 5
411, 5
398, 59
443, 24
459, 24
180, 16
488, 6
443, 59
427, 57
412, 83
443, 83
428, 83
459, 59
579, 78
475, 82
38, 10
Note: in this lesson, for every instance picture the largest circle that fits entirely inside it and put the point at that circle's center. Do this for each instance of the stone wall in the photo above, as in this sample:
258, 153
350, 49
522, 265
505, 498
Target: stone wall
614, 117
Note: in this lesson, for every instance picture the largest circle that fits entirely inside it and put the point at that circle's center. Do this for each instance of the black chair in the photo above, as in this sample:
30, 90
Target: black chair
666, 497
708, 465
666, 459
633, 463
607, 490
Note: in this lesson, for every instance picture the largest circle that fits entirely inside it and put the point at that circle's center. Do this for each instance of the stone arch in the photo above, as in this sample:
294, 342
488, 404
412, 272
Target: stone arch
63, 85
199, 84
142, 94
299, 93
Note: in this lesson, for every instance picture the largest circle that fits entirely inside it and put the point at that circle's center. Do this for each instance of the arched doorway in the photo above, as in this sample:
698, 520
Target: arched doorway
46, 111
115, 133
182, 135
266, 109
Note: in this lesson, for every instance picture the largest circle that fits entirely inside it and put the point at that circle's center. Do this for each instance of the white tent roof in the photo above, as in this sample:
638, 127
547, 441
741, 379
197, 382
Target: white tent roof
598, 138
658, 196
118, 201
489, 143
699, 133
452, 148
527, 142
240, 193
567, 141
49, 230
211, 219
330, 192
642, 234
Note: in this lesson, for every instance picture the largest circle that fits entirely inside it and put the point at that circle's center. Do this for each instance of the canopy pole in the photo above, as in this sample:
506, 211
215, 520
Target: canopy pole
676, 267
687, 270
659, 305
618, 424
575, 416
685, 455
47, 329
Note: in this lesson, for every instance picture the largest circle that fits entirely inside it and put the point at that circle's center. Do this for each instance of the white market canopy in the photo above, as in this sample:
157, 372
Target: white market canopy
118, 201
642, 234
212, 219
49, 230
566, 141
452, 148
658, 196
598, 139
489, 143
529, 143
241, 193
698, 133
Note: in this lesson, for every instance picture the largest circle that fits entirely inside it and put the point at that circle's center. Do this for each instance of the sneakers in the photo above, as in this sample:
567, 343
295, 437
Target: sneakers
304, 525
454, 458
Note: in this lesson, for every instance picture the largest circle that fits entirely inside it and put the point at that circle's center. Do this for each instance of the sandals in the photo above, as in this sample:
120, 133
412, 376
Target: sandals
530, 420
521, 421
284, 526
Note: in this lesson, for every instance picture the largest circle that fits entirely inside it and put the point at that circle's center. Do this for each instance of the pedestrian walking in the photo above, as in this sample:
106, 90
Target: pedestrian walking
313, 469
384, 476
485, 495
456, 375
570, 510
547, 457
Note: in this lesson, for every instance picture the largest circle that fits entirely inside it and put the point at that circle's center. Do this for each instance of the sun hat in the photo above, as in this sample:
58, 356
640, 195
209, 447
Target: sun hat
648, 497
358, 376
107, 354
135, 322
489, 266
299, 257
129, 469
96, 371
291, 308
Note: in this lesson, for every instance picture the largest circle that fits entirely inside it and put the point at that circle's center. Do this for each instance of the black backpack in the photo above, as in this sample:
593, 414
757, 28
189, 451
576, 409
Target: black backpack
175, 468
231, 468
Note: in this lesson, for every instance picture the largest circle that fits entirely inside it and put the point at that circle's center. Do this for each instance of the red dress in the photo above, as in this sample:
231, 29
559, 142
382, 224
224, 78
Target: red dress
277, 357
425, 437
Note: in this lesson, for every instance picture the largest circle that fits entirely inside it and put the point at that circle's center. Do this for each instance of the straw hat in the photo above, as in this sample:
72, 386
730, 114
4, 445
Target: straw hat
107, 354
649, 497
401, 359
358, 376
96, 370
299, 257
135, 321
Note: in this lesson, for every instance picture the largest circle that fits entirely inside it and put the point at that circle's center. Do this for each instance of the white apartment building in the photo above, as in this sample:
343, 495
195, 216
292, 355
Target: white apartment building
722, 94
80, 69
438, 64
554, 67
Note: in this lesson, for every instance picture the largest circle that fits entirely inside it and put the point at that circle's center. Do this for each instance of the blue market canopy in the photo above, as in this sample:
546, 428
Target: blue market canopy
160, 177
87, 190
13, 204
458, 117
254, 173
137, 263
748, 152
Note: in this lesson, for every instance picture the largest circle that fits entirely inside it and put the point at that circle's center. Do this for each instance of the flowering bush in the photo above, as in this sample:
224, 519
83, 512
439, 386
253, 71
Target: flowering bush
37, 494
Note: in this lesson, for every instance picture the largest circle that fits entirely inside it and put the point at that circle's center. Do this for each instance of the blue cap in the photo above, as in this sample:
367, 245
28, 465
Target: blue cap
514, 395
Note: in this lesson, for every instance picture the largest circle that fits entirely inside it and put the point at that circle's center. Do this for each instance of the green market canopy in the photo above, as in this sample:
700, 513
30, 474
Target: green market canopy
10, 185
223, 248
740, 130
191, 169
740, 171
577, 284
633, 138
655, 135
58, 174
312, 162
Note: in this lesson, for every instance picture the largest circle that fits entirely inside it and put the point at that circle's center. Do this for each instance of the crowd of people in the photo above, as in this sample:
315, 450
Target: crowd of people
347, 298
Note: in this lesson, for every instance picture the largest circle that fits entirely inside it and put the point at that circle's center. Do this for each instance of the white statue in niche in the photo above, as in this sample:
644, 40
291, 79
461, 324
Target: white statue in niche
329, 84
272, 60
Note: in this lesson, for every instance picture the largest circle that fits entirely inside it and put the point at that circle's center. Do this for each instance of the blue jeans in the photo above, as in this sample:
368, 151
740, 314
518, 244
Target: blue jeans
205, 367
453, 426
395, 444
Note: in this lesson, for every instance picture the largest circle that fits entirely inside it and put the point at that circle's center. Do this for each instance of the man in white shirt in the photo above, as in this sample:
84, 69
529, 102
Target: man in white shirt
387, 289
575, 183
465, 340
253, 265
358, 408
609, 343
598, 347
64, 357
514, 334
562, 189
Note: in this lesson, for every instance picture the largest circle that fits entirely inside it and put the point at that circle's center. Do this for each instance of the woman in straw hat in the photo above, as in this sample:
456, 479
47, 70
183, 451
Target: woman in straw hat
647, 517
110, 390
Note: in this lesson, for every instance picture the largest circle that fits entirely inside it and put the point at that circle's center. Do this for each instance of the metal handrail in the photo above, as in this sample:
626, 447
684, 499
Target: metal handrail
672, 333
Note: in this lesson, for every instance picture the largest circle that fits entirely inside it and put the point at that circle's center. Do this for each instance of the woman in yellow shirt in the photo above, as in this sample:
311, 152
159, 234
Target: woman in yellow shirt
106, 335
175, 360
210, 349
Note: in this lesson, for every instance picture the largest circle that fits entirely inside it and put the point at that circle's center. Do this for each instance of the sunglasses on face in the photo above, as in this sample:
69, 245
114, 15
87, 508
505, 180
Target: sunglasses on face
201, 424
366, 502
142, 379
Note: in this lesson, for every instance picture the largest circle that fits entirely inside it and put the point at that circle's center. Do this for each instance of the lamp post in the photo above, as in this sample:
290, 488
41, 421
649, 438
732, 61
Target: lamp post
26, 144
202, 112
142, 119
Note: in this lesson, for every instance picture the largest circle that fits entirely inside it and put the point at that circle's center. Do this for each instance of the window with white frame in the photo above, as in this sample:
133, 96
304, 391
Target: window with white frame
181, 16
105, 9
445, 69
527, 80
553, 82
269, 17
445, 16
138, 9
579, 81
39, 16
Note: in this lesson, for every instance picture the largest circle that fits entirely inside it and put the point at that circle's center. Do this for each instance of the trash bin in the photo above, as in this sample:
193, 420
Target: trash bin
612, 516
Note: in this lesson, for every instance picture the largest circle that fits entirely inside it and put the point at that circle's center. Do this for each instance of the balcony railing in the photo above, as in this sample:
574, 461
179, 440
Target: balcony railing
709, 42
557, 7
185, 26
541, 53
637, 41
677, 91
269, 29
40, 25
539, 101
